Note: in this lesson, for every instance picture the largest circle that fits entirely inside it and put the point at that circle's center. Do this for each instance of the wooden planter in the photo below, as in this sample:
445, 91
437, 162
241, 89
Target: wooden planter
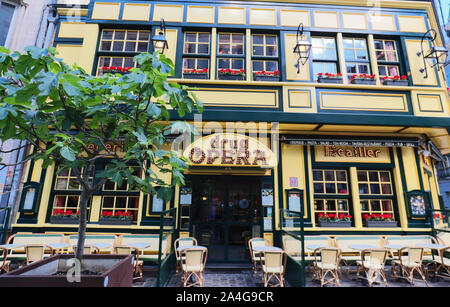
267, 78
113, 271
63, 220
195, 76
329, 80
114, 221
364, 81
340, 224
396, 83
381, 224
231, 77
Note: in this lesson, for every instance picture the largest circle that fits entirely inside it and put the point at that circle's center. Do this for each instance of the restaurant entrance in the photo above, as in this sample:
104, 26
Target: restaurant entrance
225, 214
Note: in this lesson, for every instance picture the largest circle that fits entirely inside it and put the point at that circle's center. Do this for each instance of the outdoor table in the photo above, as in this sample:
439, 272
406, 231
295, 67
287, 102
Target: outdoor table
180, 248
396, 247
11, 246
100, 245
316, 246
139, 245
260, 249
57, 246
431, 246
361, 247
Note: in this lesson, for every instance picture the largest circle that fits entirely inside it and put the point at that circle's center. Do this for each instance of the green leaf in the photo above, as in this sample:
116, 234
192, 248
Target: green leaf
68, 153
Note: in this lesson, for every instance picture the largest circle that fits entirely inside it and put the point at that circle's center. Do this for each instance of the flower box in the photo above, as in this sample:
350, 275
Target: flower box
116, 70
329, 80
230, 77
267, 78
364, 81
381, 224
63, 220
396, 82
114, 221
337, 224
194, 76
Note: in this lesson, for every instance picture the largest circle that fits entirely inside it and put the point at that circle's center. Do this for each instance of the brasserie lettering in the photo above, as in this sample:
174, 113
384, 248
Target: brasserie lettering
361, 152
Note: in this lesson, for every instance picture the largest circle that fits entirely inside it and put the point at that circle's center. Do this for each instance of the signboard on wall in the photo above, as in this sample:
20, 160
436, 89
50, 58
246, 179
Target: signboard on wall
333, 153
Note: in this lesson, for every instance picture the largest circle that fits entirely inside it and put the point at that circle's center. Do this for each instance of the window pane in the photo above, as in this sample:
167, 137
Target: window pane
237, 38
378, 44
120, 35
203, 48
107, 34
203, 37
363, 188
106, 46
271, 40
108, 202
385, 177
202, 63
331, 205
382, 70
72, 201
258, 50
341, 176
237, 64
60, 201
376, 206
342, 188
375, 189
393, 71
361, 54
238, 49
329, 175
391, 56
132, 35
380, 55
386, 189
362, 176
142, 47
144, 36
130, 46
342, 205
319, 204
330, 188
116, 62
224, 38
118, 46
128, 62
373, 176
224, 63
360, 43
363, 69
189, 48
271, 66
190, 37
351, 69
349, 54
365, 205
317, 176
387, 205
188, 63
61, 184
348, 43
224, 49
258, 65
121, 202
258, 39
318, 188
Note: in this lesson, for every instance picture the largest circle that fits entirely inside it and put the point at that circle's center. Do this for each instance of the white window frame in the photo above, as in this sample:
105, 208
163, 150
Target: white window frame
13, 22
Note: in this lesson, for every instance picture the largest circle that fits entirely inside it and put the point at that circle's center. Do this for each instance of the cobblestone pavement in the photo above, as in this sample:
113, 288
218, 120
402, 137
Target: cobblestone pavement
244, 278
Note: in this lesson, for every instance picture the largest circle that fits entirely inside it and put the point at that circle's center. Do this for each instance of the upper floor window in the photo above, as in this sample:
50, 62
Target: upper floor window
114, 61
387, 57
231, 56
125, 41
265, 56
356, 56
196, 55
7, 10
324, 56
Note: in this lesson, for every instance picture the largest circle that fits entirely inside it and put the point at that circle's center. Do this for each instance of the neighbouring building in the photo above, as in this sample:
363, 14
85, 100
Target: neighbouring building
303, 141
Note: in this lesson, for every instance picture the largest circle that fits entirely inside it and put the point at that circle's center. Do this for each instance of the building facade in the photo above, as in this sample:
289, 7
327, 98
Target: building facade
315, 137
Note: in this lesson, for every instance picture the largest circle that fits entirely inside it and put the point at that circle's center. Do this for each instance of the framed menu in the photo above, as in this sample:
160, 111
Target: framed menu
418, 202
157, 204
186, 196
294, 198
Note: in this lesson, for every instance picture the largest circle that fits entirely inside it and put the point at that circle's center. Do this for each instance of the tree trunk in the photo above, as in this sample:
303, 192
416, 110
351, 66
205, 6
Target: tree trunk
84, 199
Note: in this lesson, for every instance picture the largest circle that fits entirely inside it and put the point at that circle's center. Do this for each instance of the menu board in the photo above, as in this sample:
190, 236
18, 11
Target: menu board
185, 196
294, 199
267, 197
158, 204
268, 224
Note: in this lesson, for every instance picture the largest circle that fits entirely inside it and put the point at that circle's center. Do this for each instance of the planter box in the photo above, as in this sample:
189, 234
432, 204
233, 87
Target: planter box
195, 76
380, 224
231, 77
396, 83
344, 224
112, 271
329, 80
364, 82
267, 78
103, 221
62, 220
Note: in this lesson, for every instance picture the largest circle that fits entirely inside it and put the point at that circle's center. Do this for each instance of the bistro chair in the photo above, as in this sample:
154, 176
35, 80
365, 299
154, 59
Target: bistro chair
193, 265
88, 249
34, 252
4, 264
372, 264
189, 241
408, 265
328, 264
138, 265
442, 263
254, 242
273, 265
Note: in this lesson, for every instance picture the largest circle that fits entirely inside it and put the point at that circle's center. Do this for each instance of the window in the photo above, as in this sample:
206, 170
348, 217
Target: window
331, 191
324, 55
230, 52
196, 51
387, 58
265, 54
66, 180
356, 56
7, 10
376, 192
118, 48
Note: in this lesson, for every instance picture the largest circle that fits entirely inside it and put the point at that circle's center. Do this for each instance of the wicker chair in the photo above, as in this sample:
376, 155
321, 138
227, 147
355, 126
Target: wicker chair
373, 266
254, 242
408, 264
189, 241
193, 265
34, 252
442, 263
138, 266
273, 266
329, 263
4, 264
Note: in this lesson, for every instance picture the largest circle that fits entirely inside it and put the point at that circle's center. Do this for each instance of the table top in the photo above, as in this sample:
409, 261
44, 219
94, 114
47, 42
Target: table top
394, 246
266, 248
11, 246
100, 245
361, 246
180, 248
58, 245
139, 245
431, 246
316, 246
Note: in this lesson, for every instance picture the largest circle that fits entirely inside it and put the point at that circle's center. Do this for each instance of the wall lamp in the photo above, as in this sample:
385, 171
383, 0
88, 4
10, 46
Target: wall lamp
302, 48
436, 53
159, 40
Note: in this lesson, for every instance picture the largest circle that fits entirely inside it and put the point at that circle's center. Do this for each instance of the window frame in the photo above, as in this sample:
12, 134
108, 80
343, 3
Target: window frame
264, 58
399, 63
323, 60
356, 61
231, 57
197, 55
12, 24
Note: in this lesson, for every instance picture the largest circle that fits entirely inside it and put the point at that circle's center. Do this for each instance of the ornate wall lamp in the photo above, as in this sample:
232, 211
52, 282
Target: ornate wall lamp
302, 48
159, 40
436, 53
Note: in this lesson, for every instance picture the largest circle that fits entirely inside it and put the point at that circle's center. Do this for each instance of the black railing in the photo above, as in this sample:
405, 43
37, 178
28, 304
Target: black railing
167, 232
292, 224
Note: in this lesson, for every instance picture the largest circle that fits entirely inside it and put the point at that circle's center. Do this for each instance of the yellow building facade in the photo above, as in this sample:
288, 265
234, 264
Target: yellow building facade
275, 135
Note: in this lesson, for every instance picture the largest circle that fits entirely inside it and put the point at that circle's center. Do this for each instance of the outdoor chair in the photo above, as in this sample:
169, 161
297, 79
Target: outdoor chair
273, 266
410, 264
193, 265
182, 242
442, 263
372, 264
138, 265
34, 252
328, 264
4, 264
88, 249
255, 257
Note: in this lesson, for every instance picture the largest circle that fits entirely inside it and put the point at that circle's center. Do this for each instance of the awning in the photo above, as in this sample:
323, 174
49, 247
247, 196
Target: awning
327, 140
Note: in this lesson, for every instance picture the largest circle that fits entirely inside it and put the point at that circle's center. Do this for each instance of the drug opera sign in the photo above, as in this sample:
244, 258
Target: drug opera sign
229, 149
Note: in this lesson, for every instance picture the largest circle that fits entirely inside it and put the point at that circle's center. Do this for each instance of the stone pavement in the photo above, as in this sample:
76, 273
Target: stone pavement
244, 278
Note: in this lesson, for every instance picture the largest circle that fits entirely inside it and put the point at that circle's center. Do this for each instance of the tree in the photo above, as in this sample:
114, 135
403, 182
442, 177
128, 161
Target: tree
70, 118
